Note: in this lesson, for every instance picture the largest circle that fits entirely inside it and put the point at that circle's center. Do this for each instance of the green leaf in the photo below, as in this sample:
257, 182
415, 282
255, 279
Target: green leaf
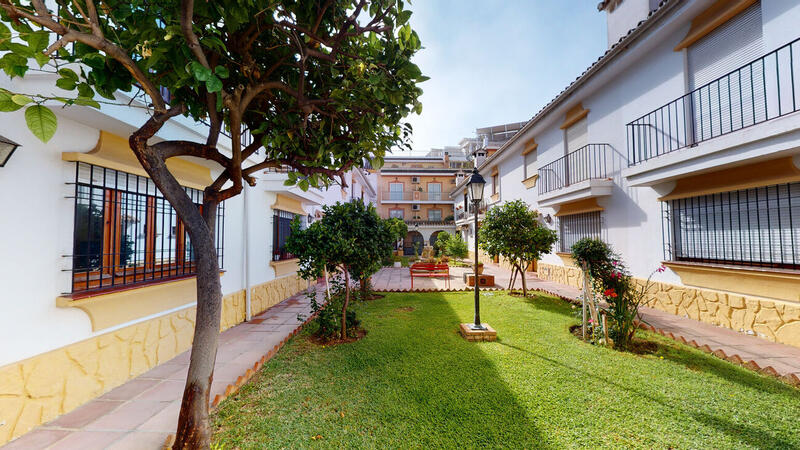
214, 84
403, 17
68, 74
87, 102
85, 91
200, 72
65, 84
41, 121
6, 104
5, 33
222, 72
42, 59
20, 99
38, 40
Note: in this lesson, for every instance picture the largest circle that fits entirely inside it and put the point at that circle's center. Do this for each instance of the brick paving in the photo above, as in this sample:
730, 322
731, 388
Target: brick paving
142, 413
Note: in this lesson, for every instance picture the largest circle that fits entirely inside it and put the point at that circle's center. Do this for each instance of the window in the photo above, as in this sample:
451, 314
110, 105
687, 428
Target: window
396, 191
281, 229
575, 227
495, 180
126, 232
435, 191
396, 213
753, 227
435, 215
529, 161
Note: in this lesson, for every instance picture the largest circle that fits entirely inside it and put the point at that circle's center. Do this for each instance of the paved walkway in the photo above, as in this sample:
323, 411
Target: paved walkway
398, 279
784, 359
142, 413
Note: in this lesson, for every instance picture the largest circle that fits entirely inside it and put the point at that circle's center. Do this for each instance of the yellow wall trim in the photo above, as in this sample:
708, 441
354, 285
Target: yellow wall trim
574, 114
286, 267
116, 308
289, 204
494, 171
567, 259
714, 16
495, 198
770, 283
113, 152
529, 147
774, 320
530, 181
766, 173
578, 207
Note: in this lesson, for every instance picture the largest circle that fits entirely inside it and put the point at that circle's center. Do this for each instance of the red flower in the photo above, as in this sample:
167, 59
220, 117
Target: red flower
610, 293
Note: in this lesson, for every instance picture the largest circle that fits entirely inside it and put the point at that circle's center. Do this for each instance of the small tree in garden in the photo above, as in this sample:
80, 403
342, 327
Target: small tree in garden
320, 87
350, 237
457, 247
513, 231
398, 229
608, 277
440, 245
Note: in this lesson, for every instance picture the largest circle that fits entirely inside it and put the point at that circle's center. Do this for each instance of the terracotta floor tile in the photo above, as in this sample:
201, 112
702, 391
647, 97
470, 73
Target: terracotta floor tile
164, 391
163, 371
165, 421
140, 440
130, 389
36, 439
128, 416
88, 440
85, 414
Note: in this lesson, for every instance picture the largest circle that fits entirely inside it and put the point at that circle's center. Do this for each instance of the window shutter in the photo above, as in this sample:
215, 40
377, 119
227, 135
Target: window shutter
577, 135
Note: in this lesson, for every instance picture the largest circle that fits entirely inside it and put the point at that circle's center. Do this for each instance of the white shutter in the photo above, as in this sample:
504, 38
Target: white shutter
732, 45
577, 135
721, 105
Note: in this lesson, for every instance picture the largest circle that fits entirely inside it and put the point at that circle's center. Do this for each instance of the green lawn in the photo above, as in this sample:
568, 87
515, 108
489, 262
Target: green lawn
413, 382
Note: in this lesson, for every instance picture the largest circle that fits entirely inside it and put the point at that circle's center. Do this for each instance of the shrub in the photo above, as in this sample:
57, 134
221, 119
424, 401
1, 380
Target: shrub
457, 247
440, 245
327, 324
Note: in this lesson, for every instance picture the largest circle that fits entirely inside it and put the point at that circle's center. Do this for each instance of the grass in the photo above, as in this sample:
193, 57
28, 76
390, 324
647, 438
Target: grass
413, 382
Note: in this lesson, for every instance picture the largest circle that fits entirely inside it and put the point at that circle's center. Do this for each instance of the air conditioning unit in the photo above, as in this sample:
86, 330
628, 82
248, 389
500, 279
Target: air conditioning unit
415, 207
414, 180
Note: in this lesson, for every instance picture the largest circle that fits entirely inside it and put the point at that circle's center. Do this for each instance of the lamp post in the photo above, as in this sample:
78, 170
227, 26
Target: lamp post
7, 147
476, 184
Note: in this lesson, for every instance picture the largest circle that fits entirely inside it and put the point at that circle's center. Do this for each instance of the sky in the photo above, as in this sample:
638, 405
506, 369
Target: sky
497, 61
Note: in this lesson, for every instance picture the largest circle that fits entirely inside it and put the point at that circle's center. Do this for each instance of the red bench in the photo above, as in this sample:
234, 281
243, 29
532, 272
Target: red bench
429, 270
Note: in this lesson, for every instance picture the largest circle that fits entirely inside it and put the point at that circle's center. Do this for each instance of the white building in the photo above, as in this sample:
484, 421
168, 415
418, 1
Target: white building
97, 273
681, 145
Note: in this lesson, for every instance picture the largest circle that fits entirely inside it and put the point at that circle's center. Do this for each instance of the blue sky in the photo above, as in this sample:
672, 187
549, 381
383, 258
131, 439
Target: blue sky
497, 61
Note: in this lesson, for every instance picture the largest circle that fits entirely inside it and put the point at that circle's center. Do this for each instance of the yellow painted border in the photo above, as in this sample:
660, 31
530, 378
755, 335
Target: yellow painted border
578, 207
714, 16
567, 259
288, 204
113, 152
530, 146
286, 267
770, 283
574, 114
530, 182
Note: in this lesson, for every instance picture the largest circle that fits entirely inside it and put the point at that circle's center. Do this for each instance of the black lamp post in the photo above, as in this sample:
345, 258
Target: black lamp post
7, 147
476, 184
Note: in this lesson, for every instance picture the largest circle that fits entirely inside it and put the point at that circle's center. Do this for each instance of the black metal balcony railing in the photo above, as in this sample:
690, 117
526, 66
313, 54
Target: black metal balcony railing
757, 92
585, 163
469, 212
420, 222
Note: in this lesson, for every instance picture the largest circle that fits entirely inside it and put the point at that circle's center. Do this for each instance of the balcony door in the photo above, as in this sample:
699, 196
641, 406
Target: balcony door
396, 191
435, 192
577, 136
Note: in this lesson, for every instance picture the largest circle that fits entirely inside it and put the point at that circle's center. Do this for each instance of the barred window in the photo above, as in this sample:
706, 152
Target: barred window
126, 233
754, 227
575, 227
281, 229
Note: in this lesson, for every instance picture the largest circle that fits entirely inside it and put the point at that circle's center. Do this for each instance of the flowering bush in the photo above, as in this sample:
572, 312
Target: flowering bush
610, 276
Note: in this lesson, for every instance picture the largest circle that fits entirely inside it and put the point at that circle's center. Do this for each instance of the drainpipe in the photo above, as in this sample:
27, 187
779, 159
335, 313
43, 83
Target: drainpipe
245, 255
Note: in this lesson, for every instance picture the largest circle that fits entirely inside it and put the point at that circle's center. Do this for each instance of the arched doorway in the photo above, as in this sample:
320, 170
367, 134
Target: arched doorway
413, 238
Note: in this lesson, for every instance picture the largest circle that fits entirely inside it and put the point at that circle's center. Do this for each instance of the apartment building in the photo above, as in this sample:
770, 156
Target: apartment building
680, 145
98, 278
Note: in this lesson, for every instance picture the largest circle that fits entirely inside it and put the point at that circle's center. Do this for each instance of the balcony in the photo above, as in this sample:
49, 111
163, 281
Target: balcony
576, 176
429, 223
414, 197
465, 215
758, 92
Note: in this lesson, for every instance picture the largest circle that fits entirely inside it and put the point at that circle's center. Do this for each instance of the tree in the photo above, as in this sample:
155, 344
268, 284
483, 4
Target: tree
513, 231
320, 86
440, 245
398, 229
350, 237
457, 247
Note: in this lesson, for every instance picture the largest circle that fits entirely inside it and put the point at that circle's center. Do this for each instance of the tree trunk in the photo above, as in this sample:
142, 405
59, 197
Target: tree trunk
346, 301
193, 427
522, 276
513, 279
364, 284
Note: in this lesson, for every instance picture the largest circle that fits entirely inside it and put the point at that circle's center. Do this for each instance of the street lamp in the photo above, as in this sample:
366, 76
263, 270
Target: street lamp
476, 184
7, 147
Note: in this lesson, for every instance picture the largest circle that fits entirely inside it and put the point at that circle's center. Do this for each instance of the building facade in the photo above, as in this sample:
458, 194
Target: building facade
680, 145
98, 272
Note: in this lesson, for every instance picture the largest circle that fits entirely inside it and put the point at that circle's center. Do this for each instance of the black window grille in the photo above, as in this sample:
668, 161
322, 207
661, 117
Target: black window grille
126, 233
281, 229
757, 227
575, 227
